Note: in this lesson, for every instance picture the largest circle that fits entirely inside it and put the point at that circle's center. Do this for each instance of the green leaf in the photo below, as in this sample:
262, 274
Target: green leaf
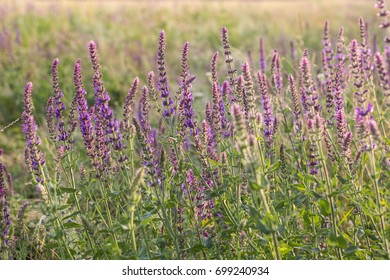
215, 163
268, 224
71, 215
307, 214
299, 186
62, 207
228, 212
68, 190
273, 167
170, 204
148, 214
337, 241
341, 179
51, 245
284, 249
197, 248
316, 194
324, 207
308, 248
68, 225
254, 186
351, 249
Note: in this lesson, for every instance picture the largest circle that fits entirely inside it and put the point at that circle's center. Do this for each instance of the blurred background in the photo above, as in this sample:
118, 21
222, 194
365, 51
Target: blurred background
33, 33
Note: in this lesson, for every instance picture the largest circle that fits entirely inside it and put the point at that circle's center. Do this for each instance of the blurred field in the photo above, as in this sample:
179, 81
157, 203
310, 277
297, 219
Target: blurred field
33, 33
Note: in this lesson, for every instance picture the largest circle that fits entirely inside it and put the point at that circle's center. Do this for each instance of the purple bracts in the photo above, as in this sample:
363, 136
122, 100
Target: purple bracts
36, 157
84, 115
162, 85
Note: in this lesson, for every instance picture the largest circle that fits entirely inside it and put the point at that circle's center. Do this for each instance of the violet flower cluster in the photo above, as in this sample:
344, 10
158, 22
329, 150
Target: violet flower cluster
162, 85
269, 119
34, 156
6, 221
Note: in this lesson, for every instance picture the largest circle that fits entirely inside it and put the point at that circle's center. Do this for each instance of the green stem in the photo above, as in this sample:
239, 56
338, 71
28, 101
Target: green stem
110, 223
378, 204
329, 192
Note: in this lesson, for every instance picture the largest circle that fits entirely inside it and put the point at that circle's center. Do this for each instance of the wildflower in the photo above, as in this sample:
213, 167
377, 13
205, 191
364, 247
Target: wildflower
107, 123
98, 84
227, 94
3, 202
297, 111
340, 57
36, 157
346, 146
144, 111
340, 126
187, 110
228, 58
308, 90
356, 64
361, 124
248, 95
186, 80
329, 146
365, 50
338, 90
313, 162
22, 211
283, 165
228, 98
384, 80
198, 193
54, 74
328, 51
214, 59
216, 115
163, 86
238, 120
50, 116
147, 150
276, 73
240, 90
329, 101
84, 115
151, 86
59, 108
384, 14
184, 62
268, 117
209, 140
128, 110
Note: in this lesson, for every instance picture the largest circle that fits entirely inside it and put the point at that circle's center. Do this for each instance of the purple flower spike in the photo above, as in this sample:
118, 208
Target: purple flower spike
144, 111
84, 116
98, 84
268, 116
6, 221
216, 115
228, 56
36, 157
276, 72
214, 76
163, 85
384, 80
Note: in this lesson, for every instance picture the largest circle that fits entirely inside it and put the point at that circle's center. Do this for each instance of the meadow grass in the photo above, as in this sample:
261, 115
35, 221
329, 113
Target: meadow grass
213, 155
